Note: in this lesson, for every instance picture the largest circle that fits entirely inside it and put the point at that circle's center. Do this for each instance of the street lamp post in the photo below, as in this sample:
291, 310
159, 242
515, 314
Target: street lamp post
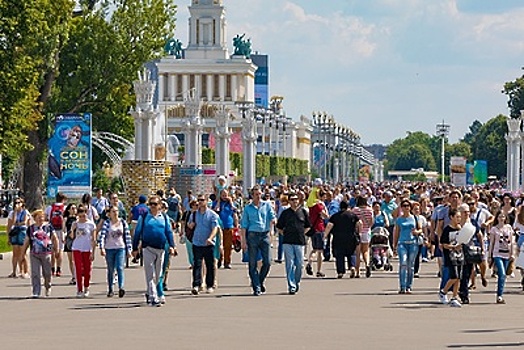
442, 132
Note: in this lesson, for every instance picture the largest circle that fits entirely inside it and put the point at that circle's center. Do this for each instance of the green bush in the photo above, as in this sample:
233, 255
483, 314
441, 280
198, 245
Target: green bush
4, 247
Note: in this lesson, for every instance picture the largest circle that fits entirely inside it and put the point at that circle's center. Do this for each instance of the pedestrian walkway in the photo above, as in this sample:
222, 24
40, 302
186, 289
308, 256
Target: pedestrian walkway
327, 313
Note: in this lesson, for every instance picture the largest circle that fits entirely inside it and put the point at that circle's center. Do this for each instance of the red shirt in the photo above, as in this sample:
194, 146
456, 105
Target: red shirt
315, 218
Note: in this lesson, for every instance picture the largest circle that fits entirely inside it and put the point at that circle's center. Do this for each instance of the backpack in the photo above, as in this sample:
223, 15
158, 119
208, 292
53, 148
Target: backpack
172, 205
40, 240
57, 216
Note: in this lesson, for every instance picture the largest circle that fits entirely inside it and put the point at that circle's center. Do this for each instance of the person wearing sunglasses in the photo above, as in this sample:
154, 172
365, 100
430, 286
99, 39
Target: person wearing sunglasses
152, 233
17, 223
204, 241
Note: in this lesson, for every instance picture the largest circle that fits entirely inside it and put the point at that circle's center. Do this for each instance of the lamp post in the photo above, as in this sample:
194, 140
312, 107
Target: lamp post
442, 132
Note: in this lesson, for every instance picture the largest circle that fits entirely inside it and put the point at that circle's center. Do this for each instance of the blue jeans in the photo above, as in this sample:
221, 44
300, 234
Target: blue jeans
115, 259
258, 241
407, 254
502, 267
294, 255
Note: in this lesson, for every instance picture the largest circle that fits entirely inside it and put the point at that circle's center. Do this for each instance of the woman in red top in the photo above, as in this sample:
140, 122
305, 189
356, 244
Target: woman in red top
317, 214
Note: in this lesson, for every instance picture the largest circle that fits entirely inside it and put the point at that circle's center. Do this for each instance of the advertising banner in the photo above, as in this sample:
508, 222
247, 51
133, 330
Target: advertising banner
470, 173
69, 160
481, 171
364, 173
458, 171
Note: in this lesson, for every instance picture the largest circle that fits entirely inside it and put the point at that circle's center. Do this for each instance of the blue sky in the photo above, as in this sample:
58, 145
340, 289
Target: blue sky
385, 67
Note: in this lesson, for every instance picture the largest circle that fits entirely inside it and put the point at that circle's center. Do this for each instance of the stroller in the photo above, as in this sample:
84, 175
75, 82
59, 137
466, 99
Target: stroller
380, 249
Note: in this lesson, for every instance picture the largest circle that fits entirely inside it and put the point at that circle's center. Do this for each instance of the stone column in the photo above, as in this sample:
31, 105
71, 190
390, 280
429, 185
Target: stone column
193, 131
249, 139
172, 87
222, 87
143, 113
336, 164
234, 88
513, 153
223, 136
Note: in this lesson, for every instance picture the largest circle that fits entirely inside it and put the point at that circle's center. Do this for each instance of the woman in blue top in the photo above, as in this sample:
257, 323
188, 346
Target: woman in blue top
380, 219
405, 243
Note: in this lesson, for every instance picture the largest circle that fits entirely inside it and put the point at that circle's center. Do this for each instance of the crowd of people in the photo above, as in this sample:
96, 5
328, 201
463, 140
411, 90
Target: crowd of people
470, 231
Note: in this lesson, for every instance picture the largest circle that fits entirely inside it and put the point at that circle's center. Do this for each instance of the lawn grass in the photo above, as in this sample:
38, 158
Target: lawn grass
4, 247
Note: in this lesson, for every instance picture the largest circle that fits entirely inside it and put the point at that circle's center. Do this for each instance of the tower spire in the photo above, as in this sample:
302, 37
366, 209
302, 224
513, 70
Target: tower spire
207, 30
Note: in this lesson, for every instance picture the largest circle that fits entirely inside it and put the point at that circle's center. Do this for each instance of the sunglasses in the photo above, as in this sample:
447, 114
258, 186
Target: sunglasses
18, 202
293, 199
201, 199
406, 206
81, 212
153, 203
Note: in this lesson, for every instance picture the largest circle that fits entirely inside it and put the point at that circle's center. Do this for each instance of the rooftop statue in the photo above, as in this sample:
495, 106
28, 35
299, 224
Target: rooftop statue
242, 47
173, 47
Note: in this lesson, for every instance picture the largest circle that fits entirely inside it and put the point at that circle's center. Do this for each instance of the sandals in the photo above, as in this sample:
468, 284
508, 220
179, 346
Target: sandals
321, 274
12, 275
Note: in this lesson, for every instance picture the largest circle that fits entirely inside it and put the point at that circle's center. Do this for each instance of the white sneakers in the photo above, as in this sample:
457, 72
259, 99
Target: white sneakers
443, 298
454, 303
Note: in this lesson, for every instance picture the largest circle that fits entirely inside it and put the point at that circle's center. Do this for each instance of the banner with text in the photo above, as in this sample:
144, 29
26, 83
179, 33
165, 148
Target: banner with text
458, 171
69, 159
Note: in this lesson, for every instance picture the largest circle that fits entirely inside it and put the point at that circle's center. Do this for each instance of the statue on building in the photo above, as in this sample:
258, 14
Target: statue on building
242, 46
173, 47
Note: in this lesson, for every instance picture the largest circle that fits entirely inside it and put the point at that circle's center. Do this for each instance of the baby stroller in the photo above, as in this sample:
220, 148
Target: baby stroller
380, 250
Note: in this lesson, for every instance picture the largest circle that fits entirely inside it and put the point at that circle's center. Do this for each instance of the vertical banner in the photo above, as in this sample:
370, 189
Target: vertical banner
69, 160
458, 171
481, 171
470, 174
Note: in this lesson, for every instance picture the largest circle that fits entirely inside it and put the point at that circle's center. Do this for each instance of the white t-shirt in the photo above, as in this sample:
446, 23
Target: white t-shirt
84, 236
115, 236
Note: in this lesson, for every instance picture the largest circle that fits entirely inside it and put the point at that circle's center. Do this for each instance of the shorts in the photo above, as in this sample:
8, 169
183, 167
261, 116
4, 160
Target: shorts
365, 237
18, 239
455, 271
317, 241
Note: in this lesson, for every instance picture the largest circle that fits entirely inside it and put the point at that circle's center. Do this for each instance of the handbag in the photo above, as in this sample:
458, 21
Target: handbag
511, 267
472, 254
189, 232
14, 231
456, 257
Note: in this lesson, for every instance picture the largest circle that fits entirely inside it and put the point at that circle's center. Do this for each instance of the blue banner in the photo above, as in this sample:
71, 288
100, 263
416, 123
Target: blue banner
69, 160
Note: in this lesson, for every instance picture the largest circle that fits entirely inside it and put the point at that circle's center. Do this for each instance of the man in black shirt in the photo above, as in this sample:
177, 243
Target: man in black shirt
345, 228
294, 222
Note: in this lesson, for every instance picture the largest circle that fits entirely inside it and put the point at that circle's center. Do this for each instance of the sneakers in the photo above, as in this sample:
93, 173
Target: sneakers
501, 300
156, 303
484, 282
121, 293
368, 271
454, 303
352, 273
48, 291
262, 289
86, 293
443, 297
110, 294
80, 294
162, 299
425, 260
72, 282
416, 275
340, 275
309, 270
408, 291
210, 290
194, 290
321, 274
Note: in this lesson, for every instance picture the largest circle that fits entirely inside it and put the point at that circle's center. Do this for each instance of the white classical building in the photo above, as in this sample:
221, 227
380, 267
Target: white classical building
222, 88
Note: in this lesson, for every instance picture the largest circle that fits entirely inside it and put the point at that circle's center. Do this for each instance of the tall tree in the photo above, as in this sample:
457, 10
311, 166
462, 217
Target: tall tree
515, 92
490, 145
474, 129
88, 63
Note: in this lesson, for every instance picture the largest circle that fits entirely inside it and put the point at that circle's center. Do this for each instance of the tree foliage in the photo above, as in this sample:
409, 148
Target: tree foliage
515, 92
490, 145
66, 63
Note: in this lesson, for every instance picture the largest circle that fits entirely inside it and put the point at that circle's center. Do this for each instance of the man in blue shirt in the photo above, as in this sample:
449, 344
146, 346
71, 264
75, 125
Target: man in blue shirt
152, 233
257, 220
204, 240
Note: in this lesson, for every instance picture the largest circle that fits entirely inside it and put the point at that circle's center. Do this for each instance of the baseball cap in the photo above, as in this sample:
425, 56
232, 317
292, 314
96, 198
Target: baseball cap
318, 182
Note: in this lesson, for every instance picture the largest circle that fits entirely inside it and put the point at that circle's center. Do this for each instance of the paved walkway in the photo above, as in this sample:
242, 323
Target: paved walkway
326, 314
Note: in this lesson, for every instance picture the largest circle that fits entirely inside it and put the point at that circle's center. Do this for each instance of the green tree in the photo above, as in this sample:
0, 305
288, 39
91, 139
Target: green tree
84, 63
470, 136
399, 158
490, 145
459, 149
415, 156
515, 92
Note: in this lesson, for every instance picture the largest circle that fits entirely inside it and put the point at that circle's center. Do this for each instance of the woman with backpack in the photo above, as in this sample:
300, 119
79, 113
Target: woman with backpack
70, 218
42, 242
115, 246
17, 223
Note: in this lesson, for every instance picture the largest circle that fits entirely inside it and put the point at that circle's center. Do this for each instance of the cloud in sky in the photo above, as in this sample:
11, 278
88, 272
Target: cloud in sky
385, 67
